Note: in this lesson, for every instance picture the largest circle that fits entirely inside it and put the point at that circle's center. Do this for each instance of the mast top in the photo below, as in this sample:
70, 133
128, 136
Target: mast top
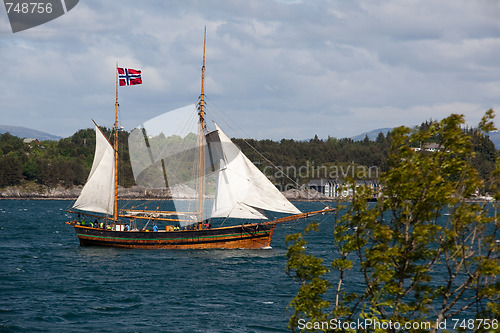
201, 104
201, 113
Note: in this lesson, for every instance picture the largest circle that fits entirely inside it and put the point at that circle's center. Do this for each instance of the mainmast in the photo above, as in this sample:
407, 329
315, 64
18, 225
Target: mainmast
115, 209
201, 113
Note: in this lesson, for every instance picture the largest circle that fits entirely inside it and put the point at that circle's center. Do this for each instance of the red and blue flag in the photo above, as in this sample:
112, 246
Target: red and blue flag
129, 77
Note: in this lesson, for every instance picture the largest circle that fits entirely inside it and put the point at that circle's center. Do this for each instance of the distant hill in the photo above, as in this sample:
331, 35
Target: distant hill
23, 132
495, 138
372, 135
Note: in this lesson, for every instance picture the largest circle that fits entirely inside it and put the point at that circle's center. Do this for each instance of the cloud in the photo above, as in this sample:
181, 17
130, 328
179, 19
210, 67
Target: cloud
288, 69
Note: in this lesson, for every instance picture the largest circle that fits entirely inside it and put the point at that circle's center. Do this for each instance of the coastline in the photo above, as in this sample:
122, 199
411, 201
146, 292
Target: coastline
39, 192
32, 191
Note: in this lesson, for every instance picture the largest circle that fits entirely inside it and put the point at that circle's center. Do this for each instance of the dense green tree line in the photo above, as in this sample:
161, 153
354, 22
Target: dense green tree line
323, 157
318, 152
68, 161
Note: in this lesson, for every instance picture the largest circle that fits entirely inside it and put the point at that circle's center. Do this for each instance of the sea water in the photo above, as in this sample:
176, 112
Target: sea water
49, 283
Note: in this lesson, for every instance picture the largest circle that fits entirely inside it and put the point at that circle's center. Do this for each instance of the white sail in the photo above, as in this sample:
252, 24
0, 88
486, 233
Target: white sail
242, 189
169, 137
164, 154
98, 193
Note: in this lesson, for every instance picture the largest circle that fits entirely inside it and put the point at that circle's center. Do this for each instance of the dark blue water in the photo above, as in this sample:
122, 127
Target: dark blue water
49, 283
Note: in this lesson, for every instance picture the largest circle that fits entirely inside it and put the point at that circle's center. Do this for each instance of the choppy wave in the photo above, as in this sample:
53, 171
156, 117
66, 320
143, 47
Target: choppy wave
50, 283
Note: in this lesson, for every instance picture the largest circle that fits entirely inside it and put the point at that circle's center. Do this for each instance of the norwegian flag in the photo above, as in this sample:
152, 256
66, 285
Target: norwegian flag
129, 77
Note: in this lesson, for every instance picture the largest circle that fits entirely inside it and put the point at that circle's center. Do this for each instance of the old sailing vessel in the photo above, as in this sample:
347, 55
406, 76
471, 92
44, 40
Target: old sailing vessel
208, 179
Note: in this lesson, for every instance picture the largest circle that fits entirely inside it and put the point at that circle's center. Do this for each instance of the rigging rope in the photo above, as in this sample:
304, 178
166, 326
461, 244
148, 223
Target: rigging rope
259, 153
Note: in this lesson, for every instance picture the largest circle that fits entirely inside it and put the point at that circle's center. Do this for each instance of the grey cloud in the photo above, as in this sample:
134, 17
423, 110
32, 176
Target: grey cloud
282, 68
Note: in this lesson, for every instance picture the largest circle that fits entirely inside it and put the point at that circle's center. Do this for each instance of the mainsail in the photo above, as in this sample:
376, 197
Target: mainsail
164, 150
165, 155
243, 191
98, 193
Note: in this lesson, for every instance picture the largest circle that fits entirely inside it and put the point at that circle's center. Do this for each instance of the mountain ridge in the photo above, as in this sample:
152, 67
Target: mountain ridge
372, 135
24, 132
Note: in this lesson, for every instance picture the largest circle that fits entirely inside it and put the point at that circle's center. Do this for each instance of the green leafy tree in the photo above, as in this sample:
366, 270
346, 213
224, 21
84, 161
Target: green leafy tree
307, 270
10, 170
424, 251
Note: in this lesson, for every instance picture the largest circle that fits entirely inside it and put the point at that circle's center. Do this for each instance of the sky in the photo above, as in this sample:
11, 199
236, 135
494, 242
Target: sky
274, 69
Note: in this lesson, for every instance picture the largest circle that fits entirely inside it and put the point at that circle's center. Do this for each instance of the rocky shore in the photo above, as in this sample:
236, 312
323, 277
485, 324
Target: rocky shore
38, 192
34, 191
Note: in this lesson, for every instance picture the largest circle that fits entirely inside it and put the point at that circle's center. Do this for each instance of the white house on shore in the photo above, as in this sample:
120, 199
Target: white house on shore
339, 188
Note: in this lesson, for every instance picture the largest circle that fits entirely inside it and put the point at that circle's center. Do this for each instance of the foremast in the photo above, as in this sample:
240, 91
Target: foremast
201, 114
115, 147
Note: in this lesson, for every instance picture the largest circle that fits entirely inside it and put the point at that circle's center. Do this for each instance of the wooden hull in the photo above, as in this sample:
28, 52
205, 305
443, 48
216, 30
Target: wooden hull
247, 236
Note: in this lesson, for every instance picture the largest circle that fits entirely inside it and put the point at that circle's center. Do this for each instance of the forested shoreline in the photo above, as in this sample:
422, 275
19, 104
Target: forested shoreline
65, 164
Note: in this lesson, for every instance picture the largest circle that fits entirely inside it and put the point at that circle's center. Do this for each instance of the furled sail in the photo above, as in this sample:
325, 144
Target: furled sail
243, 191
98, 193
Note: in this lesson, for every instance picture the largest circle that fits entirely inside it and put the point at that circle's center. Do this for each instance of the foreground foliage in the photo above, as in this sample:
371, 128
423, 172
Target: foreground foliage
423, 252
